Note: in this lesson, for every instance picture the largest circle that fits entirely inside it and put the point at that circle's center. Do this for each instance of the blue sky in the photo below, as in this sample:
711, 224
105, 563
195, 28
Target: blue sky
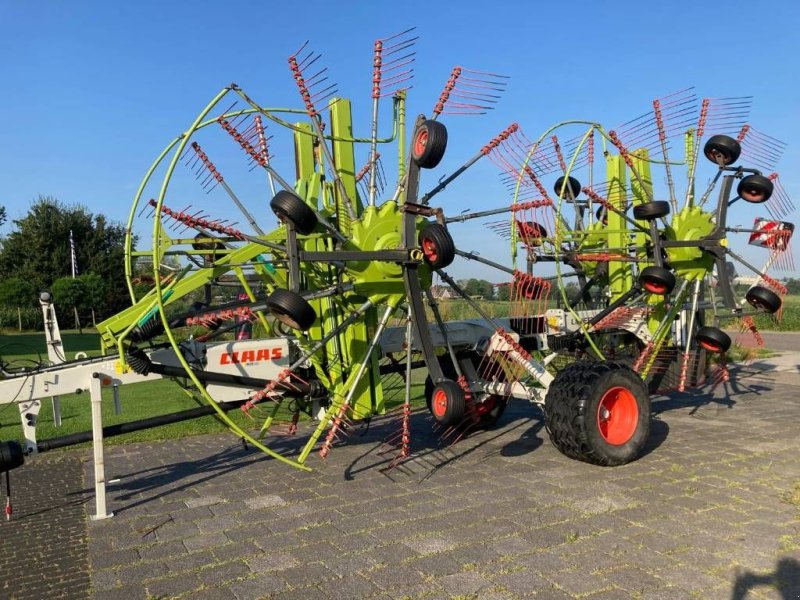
94, 90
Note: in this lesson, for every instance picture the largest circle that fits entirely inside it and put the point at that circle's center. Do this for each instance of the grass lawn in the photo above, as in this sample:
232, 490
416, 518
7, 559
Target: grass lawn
790, 319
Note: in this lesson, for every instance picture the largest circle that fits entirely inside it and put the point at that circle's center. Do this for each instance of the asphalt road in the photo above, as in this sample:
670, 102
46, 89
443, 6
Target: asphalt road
781, 340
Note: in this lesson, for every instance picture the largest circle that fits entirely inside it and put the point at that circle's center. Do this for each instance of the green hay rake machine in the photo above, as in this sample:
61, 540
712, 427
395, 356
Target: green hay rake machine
608, 287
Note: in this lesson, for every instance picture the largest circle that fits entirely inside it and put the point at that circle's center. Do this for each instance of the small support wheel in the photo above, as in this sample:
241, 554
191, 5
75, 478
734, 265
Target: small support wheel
448, 404
531, 233
437, 245
291, 309
11, 456
651, 210
657, 280
722, 150
291, 208
489, 408
764, 299
713, 339
563, 192
429, 144
755, 189
598, 412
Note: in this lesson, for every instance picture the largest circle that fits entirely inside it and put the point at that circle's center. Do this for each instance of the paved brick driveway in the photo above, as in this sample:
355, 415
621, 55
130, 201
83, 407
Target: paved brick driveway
711, 511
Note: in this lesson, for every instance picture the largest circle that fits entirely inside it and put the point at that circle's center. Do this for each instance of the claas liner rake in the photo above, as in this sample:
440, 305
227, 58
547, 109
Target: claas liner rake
615, 287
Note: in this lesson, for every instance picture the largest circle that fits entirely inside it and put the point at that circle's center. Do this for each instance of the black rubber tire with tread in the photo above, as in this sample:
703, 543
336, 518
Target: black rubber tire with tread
456, 403
764, 298
435, 235
573, 184
722, 145
11, 456
487, 420
715, 337
651, 210
290, 207
755, 189
428, 151
653, 277
291, 309
571, 408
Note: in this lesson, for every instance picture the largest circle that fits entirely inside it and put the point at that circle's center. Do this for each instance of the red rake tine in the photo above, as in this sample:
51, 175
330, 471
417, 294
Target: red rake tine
476, 86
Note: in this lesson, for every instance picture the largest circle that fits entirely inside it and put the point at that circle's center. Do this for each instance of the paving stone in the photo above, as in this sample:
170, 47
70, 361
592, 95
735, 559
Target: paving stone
266, 562
205, 540
260, 586
462, 584
521, 581
204, 501
175, 585
218, 574
266, 501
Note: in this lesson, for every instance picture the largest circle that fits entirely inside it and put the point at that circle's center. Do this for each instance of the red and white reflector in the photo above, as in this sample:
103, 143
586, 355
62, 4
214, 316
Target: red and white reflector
774, 235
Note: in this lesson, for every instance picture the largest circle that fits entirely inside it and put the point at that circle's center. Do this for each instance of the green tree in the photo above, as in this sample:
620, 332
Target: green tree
95, 289
38, 249
504, 292
2, 214
16, 292
792, 285
68, 292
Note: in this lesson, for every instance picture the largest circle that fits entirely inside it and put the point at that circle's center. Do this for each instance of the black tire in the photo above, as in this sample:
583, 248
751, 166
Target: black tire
657, 280
290, 207
489, 410
602, 215
437, 245
651, 210
11, 456
531, 233
573, 185
722, 149
429, 144
764, 299
448, 404
598, 412
713, 340
291, 309
755, 189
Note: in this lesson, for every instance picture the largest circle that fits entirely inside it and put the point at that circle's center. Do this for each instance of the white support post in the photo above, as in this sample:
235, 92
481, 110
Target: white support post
96, 395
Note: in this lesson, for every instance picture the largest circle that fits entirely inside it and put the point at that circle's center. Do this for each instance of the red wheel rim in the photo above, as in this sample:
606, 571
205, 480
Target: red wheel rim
655, 288
439, 403
421, 142
430, 250
617, 416
753, 196
710, 346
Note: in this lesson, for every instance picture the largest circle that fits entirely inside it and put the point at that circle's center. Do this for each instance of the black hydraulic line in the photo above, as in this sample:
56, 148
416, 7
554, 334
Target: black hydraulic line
115, 430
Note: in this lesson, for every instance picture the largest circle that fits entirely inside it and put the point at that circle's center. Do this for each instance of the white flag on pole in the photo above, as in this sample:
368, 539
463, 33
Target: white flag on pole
72, 254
